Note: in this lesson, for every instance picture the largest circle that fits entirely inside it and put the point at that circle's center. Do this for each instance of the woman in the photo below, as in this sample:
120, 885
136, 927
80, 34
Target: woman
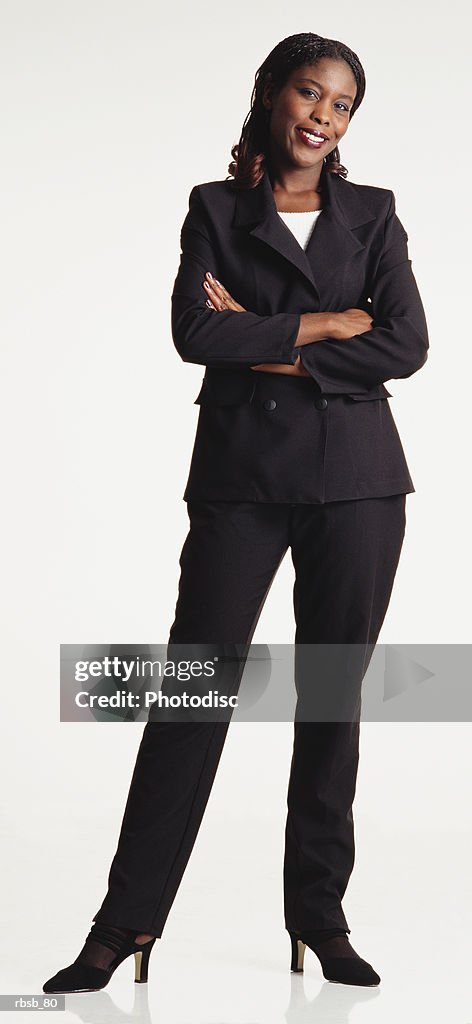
296, 292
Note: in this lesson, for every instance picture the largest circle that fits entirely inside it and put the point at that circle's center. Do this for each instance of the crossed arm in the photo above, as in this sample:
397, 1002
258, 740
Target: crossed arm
313, 326
344, 352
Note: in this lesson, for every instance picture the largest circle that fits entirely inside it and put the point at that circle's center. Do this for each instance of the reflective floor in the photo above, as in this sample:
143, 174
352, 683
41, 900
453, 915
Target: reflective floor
224, 956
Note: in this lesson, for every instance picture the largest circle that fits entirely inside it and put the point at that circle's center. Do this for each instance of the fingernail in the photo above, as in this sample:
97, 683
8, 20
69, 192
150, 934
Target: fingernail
205, 284
209, 275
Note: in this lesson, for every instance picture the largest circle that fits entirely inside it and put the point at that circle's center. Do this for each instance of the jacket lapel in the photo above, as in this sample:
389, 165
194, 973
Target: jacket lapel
333, 242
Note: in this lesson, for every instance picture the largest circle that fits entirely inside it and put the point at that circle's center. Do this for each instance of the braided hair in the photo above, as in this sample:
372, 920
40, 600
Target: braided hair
247, 166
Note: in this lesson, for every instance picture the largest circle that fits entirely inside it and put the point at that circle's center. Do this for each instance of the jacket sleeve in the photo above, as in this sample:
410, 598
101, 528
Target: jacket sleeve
397, 343
225, 337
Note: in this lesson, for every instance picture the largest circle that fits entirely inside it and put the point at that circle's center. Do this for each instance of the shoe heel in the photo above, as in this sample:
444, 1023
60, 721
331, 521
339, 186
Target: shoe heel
298, 954
141, 962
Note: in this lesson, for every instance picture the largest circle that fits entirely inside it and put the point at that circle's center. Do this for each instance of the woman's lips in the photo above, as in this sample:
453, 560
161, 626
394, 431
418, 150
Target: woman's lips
315, 142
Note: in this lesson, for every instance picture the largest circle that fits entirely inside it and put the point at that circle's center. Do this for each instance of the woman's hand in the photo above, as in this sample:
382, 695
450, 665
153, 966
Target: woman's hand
349, 323
295, 370
219, 298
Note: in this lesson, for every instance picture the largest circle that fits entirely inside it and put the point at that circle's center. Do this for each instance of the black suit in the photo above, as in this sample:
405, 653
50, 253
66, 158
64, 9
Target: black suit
280, 462
347, 445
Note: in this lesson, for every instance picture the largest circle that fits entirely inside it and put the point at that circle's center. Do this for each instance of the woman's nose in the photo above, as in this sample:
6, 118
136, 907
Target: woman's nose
320, 114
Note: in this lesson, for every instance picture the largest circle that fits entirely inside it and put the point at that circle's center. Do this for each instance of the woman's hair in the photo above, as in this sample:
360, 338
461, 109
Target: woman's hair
247, 166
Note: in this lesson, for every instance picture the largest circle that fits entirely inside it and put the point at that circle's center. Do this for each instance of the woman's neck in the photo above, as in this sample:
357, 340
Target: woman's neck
296, 194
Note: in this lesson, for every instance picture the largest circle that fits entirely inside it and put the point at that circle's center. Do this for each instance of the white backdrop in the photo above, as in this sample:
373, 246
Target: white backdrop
110, 113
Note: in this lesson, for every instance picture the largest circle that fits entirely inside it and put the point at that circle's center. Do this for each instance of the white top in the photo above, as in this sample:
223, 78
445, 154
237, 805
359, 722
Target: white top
301, 224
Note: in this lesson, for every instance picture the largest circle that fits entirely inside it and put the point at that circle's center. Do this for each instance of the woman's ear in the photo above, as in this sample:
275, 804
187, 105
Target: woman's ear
267, 94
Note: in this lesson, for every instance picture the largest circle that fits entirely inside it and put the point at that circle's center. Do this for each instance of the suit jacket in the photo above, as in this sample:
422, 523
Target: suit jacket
271, 437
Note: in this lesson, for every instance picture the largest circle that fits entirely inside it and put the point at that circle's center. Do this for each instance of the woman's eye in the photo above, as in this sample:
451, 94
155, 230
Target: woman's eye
312, 93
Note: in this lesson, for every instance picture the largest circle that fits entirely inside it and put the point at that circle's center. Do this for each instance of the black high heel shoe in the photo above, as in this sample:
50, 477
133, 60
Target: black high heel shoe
84, 977
344, 969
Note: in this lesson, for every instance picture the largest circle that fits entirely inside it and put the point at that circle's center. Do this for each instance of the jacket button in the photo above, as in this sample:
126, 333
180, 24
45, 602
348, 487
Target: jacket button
321, 403
270, 404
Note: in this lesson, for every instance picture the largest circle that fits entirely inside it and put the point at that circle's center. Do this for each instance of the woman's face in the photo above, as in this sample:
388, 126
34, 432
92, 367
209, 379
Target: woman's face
317, 97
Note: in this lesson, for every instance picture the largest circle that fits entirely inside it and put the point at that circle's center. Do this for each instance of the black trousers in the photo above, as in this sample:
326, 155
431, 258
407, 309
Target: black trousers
345, 555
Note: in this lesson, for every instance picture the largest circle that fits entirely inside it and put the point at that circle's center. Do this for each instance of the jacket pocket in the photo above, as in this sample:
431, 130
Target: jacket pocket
226, 387
370, 396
